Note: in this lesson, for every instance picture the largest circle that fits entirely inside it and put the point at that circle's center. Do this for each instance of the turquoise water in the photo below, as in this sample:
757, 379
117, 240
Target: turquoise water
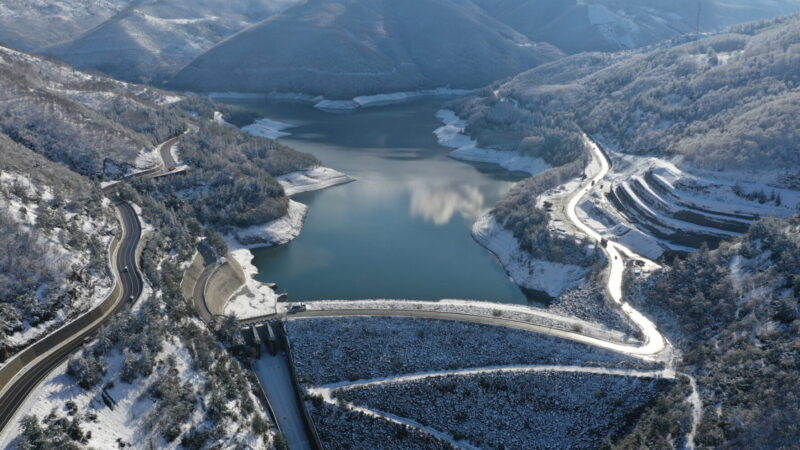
402, 230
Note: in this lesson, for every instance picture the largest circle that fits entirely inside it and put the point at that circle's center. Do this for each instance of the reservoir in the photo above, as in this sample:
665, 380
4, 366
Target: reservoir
402, 230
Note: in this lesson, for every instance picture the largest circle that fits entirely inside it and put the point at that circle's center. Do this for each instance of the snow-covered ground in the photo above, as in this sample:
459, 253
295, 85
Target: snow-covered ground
92, 288
254, 298
552, 278
127, 421
230, 95
147, 159
271, 129
374, 347
278, 232
313, 179
366, 101
336, 105
451, 134
351, 428
513, 407
175, 152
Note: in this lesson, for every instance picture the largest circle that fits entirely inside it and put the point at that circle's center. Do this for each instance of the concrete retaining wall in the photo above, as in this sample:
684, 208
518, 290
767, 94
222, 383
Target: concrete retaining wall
191, 275
222, 284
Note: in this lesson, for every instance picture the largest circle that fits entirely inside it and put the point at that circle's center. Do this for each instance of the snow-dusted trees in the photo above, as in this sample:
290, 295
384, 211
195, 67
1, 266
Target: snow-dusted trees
228, 332
231, 181
58, 432
727, 101
737, 312
88, 371
519, 214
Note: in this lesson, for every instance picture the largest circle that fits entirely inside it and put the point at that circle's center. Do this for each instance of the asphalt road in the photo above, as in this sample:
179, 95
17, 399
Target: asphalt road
28, 368
71, 336
166, 152
199, 294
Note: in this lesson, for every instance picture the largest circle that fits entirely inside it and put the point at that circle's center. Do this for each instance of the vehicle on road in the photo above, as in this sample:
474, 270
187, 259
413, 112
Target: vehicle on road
296, 309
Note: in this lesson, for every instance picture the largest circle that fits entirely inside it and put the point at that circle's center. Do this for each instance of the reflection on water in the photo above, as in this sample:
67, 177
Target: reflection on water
437, 203
402, 230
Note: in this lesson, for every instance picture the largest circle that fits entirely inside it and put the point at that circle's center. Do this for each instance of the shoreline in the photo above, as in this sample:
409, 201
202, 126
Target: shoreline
255, 298
340, 106
525, 271
452, 135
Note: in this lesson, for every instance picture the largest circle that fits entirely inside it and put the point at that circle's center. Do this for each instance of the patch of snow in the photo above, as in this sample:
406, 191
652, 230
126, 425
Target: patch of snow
106, 184
254, 298
174, 151
508, 160
550, 277
147, 160
169, 99
336, 105
399, 97
452, 135
271, 129
219, 119
365, 101
235, 96
313, 179
278, 232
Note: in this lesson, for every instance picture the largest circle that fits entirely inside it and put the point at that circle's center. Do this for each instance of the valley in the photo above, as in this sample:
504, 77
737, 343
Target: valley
433, 224
402, 229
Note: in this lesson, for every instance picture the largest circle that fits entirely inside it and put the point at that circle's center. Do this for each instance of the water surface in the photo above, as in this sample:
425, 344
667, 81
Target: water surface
402, 230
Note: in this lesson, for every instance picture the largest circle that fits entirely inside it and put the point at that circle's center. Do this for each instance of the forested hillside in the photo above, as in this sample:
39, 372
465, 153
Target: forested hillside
345, 48
54, 232
723, 102
95, 125
150, 41
612, 25
234, 188
734, 315
106, 129
65, 130
354, 41
31, 24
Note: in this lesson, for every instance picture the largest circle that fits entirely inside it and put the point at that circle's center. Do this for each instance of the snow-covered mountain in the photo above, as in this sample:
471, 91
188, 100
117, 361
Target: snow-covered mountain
32, 24
609, 25
723, 102
142, 41
344, 48
95, 125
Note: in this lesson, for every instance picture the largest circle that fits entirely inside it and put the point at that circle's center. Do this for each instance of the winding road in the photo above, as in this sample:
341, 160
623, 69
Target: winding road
654, 345
23, 372
654, 341
28, 368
